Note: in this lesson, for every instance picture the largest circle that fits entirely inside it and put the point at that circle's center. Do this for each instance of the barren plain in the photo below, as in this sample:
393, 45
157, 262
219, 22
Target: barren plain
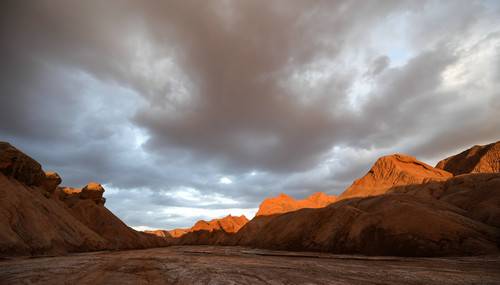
240, 265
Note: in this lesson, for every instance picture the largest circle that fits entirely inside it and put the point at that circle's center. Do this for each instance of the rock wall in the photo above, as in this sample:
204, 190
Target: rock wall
38, 217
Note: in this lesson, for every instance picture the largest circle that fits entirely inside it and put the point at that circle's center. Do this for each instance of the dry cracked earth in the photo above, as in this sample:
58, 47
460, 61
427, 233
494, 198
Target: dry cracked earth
239, 265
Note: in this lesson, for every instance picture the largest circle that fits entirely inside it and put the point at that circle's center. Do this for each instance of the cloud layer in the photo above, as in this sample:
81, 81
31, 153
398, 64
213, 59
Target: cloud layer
166, 102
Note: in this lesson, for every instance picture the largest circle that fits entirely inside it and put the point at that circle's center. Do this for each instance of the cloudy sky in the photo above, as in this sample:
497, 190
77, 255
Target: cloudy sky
196, 109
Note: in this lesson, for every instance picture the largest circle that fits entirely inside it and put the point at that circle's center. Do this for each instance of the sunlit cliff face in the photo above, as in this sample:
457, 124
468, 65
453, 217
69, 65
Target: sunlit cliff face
186, 110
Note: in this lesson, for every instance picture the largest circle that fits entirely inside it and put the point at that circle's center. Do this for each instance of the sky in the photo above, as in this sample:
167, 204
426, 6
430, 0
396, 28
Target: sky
188, 110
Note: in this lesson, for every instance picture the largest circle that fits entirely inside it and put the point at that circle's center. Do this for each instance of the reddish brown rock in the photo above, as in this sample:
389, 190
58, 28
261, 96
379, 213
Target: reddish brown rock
390, 171
51, 181
103, 222
178, 232
454, 217
401, 207
16, 164
30, 224
477, 194
204, 237
159, 233
94, 192
69, 191
417, 211
284, 203
477, 159
228, 224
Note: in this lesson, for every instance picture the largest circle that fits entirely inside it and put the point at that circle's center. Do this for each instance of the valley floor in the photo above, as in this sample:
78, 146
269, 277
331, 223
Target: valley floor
238, 265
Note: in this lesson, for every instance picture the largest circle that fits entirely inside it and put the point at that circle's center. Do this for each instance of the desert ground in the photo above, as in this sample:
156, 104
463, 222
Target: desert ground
240, 265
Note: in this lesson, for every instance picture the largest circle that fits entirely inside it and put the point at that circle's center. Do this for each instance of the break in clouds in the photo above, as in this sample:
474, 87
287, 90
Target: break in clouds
197, 109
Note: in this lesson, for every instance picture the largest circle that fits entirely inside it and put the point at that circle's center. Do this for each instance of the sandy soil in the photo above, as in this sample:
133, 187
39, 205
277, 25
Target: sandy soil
238, 265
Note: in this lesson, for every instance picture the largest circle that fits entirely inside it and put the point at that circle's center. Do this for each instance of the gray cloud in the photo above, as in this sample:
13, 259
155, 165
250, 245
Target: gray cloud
154, 97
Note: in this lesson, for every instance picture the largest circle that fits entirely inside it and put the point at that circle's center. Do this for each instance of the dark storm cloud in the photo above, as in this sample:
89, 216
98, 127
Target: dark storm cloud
160, 100
241, 113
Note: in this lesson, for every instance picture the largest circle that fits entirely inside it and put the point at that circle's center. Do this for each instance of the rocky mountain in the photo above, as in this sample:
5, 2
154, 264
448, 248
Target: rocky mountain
38, 217
477, 159
390, 171
178, 232
207, 232
227, 224
401, 207
159, 233
284, 203
458, 216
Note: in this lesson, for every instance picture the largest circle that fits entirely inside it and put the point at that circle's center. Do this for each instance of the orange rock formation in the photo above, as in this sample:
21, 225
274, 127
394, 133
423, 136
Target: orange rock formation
393, 170
37, 217
458, 216
477, 159
228, 224
400, 207
284, 203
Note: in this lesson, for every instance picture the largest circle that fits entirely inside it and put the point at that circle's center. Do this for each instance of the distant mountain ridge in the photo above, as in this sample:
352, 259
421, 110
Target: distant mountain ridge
284, 203
227, 224
270, 206
400, 207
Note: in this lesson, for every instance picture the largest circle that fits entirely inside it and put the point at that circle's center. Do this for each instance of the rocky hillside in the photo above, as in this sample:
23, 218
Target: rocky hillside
177, 232
159, 233
400, 207
284, 203
458, 216
227, 224
38, 217
390, 171
208, 232
477, 159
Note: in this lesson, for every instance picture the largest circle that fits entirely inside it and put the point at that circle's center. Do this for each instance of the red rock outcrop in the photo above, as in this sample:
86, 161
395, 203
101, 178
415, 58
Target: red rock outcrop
178, 232
31, 224
103, 222
51, 181
401, 207
458, 216
33, 221
228, 224
159, 233
94, 192
476, 194
284, 203
393, 170
477, 159
203, 230
14, 163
